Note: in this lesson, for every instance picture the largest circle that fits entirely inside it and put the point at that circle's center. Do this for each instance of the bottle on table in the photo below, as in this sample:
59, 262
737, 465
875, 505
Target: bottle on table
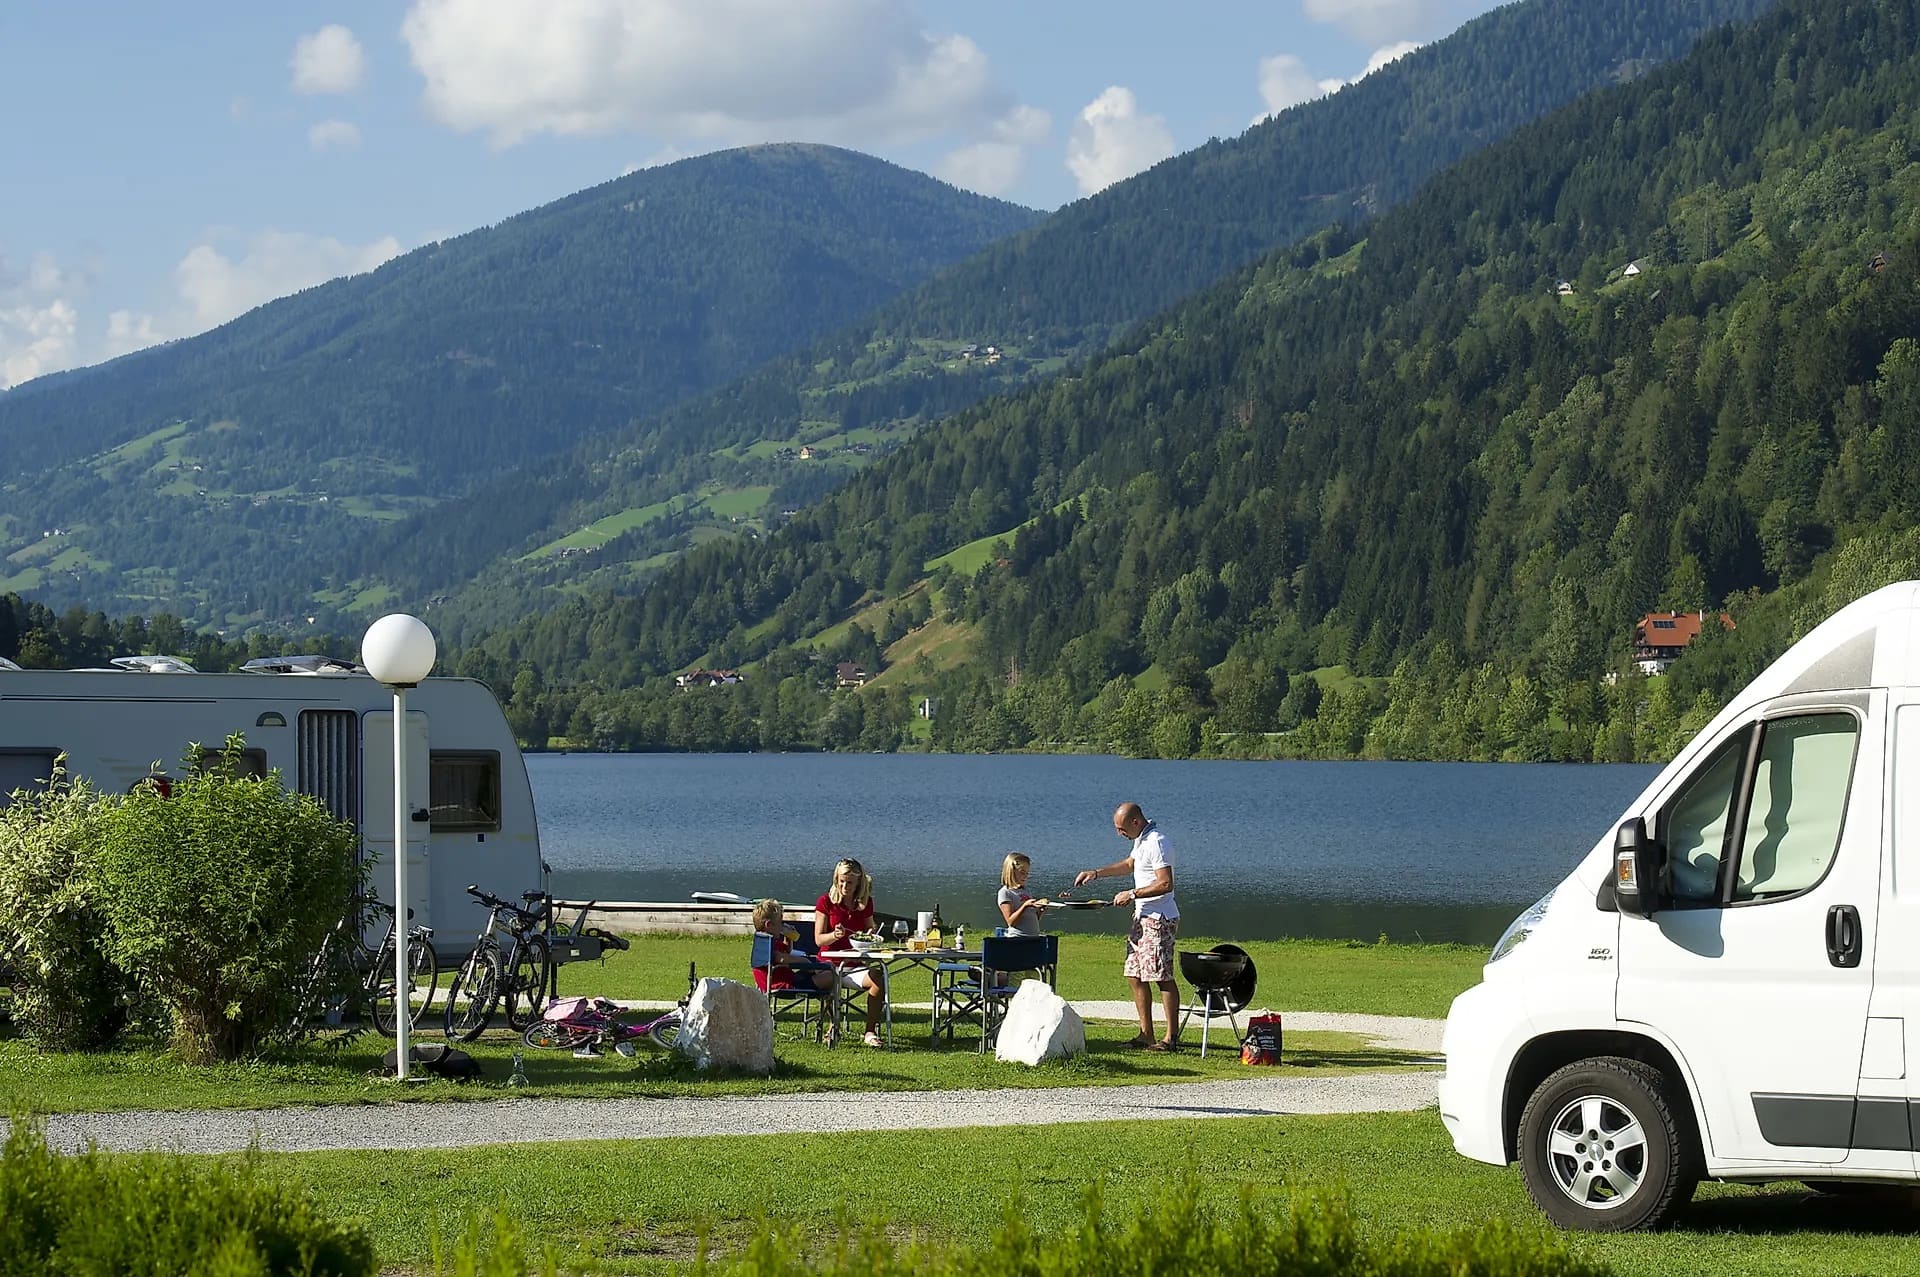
934, 929
960, 937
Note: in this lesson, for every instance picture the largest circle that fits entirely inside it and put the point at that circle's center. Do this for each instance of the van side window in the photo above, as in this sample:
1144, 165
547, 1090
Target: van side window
249, 764
1696, 825
464, 790
1799, 800
28, 769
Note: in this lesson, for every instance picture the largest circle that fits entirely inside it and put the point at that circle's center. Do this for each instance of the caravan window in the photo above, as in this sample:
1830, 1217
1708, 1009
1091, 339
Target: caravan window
28, 769
465, 793
251, 764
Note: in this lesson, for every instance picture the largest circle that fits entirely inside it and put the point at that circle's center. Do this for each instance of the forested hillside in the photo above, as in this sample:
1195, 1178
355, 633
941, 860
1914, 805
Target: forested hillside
222, 475
1657, 351
1041, 300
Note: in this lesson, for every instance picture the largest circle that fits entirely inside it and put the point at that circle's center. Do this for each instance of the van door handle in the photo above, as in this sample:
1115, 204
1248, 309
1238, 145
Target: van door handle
1843, 936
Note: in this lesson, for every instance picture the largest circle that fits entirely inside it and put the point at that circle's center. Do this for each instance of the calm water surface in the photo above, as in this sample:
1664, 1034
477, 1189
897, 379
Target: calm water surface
1433, 851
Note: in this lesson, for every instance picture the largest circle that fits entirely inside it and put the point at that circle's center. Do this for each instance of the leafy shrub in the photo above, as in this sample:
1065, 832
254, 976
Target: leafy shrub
219, 895
68, 994
1319, 1236
161, 1214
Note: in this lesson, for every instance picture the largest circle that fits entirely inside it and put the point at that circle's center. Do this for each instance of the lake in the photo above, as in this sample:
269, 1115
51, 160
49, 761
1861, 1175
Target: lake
1417, 851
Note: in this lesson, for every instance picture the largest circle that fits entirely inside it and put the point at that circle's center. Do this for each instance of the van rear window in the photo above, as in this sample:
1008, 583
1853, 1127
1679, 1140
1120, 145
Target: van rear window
465, 791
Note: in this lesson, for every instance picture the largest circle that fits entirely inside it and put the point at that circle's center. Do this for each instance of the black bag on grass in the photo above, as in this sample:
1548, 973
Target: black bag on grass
441, 1061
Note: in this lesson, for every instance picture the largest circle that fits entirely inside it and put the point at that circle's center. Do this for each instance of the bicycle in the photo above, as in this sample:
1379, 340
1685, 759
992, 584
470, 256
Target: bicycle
350, 977
585, 1024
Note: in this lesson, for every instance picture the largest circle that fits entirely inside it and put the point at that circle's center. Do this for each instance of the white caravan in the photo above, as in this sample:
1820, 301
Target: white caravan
1728, 985
328, 728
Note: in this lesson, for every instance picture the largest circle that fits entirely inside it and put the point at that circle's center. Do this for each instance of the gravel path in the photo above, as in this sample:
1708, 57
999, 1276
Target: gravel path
536, 1121
521, 1121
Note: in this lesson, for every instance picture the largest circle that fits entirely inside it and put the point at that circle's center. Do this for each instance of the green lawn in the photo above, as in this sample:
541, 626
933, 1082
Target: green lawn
642, 1206
1294, 975
145, 1077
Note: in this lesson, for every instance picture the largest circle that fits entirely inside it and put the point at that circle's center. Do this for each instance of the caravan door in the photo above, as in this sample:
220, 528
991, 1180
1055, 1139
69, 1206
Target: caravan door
376, 808
1761, 968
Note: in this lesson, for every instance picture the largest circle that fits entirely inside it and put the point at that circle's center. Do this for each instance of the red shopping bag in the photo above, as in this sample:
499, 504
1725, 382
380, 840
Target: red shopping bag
1262, 1043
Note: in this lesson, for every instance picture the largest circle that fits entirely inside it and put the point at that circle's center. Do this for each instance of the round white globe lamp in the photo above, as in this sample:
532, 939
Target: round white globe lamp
398, 650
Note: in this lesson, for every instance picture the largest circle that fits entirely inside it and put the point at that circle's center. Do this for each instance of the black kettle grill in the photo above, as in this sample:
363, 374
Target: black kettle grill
1223, 980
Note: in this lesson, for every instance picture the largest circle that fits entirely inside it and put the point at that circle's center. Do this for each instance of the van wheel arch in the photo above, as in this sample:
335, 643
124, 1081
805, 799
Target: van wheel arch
1548, 1054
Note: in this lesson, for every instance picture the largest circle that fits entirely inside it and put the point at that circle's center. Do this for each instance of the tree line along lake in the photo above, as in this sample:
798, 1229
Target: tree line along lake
1415, 851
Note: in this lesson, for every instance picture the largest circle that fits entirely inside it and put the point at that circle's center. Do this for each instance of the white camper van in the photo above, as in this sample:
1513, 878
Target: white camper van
328, 727
1728, 985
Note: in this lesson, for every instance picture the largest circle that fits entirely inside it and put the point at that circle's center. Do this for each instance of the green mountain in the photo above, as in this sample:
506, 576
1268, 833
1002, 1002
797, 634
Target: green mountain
1656, 351
605, 516
191, 475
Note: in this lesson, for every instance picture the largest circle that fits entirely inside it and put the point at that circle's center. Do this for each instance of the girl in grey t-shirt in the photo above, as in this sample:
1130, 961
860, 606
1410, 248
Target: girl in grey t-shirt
1020, 911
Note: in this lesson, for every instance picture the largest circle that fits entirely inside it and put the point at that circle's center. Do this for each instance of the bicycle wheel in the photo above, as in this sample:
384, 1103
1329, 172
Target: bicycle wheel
307, 1003
665, 1031
478, 982
379, 989
526, 988
425, 970
548, 1035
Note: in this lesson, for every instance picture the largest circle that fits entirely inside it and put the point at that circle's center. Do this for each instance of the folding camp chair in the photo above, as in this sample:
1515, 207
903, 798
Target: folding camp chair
819, 1008
985, 994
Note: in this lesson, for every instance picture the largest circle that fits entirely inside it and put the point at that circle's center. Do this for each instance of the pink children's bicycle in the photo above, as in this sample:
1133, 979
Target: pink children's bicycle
586, 1024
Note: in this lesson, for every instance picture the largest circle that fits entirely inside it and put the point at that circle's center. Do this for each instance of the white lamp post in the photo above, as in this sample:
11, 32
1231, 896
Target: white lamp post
398, 650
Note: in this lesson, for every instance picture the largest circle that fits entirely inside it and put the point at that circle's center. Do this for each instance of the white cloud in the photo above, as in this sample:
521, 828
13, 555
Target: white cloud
334, 135
328, 61
216, 287
1285, 80
1387, 55
1379, 21
128, 331
727, 71
1112, 140
39, 322
995, 166
36, 339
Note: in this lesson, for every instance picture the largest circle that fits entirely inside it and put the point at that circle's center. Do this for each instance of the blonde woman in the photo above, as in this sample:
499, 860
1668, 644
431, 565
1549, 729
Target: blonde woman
845, 911
1020, 910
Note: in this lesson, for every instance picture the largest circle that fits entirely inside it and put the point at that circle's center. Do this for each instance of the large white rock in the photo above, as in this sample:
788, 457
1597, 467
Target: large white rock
1039, 1026
728, 1026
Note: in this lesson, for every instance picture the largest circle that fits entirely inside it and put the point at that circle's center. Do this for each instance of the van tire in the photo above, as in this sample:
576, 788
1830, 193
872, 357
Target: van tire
1579, 1174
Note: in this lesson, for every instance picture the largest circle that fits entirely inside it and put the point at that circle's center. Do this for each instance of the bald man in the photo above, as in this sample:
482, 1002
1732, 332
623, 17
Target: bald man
1156, 920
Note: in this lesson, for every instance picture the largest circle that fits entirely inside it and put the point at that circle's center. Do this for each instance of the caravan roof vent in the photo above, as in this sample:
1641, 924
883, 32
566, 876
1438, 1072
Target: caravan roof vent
311, 664
6, 664
153, 664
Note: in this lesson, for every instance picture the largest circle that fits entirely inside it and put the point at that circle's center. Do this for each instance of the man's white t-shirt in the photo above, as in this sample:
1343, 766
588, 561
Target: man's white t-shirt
1150, 852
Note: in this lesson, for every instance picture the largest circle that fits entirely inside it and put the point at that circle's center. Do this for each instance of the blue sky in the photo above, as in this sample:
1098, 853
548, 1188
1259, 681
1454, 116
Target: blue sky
168, 167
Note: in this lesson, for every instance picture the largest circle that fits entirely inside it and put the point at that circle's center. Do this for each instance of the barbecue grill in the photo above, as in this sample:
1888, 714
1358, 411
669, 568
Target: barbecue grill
1223, 979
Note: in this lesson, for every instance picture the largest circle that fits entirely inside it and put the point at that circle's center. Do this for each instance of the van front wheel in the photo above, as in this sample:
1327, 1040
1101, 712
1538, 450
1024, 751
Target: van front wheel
1601, 1148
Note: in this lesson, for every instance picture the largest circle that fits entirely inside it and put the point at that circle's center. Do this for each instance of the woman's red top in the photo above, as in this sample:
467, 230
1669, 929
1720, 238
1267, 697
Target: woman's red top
828, 916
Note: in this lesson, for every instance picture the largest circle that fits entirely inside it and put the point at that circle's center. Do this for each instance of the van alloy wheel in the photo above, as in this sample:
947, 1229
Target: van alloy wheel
1597, 1152
1602, 1147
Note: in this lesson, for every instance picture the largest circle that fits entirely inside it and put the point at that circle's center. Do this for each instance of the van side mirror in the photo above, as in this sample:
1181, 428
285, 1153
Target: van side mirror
1638, 875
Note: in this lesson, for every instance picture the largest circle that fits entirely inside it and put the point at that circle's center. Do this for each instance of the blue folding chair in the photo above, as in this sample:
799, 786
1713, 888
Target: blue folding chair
818, 1007
985, 994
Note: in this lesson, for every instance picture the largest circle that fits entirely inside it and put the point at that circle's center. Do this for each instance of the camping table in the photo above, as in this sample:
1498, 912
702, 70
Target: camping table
892, 956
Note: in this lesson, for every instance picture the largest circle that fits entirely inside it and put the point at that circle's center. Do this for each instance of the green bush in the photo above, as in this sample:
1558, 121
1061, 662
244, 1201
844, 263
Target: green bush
1319, 1236
68, 994
128, 1215
218, 896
